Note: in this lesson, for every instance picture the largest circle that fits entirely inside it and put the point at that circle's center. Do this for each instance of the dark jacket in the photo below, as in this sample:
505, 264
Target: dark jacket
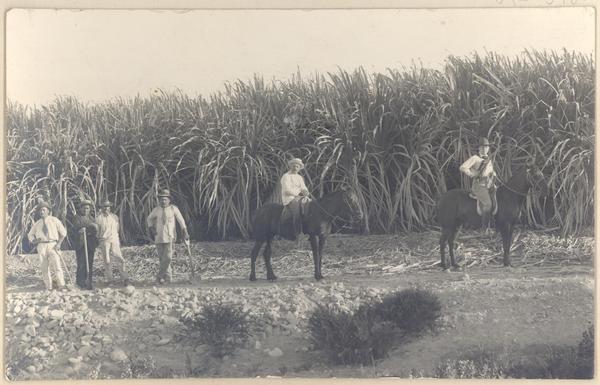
77, 239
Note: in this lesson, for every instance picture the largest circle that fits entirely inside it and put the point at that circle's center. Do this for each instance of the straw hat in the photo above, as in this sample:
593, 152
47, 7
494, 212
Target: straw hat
105, 203
85, 202
484, 142
164, 193
41, 205
297, 161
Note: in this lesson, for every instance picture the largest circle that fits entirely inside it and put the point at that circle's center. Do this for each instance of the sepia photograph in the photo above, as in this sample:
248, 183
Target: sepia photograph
300, 193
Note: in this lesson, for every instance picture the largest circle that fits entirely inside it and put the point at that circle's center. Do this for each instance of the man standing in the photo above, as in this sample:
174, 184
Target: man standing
161, 223
481, 168
48, 234
110, 245
85, 235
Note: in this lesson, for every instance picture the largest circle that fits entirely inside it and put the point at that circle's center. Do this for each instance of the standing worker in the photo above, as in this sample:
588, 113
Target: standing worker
85, 242
161, 223
110, 245
48, 234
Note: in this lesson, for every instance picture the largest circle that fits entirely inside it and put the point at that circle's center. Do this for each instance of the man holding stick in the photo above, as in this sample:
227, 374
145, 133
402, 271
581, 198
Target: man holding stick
161, 223
85, 242
48, 234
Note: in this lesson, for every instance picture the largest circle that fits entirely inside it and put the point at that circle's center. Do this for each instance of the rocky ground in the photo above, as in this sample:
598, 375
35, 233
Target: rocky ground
546, 300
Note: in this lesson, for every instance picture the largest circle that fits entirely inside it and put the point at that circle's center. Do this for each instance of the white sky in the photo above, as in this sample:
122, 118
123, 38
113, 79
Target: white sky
98, 55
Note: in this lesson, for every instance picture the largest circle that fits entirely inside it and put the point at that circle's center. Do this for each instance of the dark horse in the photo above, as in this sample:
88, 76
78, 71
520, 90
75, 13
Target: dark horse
455, 209
316, 222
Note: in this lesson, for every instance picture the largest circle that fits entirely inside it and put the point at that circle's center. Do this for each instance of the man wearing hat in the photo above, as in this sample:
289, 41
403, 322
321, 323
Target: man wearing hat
48, 234
294, 195
481, 169
161, 223
110, 245
84, 235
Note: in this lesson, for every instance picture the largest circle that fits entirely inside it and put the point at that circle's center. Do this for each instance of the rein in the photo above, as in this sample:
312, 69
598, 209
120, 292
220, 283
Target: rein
333, 217
517, 192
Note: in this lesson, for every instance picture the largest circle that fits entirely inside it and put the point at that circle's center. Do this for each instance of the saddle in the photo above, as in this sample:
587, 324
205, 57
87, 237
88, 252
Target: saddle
494, 209
291, 223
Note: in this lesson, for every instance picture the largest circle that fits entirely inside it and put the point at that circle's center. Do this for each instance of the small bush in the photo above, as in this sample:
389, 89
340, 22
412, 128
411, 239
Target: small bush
557, 362
479, 363
222, 327
350, 338
585, 355
563, 362
139, 367
412, 310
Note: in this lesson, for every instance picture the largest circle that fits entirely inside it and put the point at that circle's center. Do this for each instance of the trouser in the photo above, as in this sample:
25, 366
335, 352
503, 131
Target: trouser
165, 255
291, 216
83, 275
484, 203
49, 259
111, 253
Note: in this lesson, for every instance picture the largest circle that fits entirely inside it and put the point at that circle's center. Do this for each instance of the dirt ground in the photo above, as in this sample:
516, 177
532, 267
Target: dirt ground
545, 300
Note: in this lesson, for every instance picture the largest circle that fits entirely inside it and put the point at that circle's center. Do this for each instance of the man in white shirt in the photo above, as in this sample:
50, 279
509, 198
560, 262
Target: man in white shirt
48, 234
294, 195
481, 169
109, 243
161, 223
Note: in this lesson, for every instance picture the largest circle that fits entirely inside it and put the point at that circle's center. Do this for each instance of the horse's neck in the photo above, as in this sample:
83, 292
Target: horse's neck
518, 183
329, 204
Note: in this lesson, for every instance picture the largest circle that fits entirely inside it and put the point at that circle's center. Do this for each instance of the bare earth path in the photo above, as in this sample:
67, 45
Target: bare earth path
547, 299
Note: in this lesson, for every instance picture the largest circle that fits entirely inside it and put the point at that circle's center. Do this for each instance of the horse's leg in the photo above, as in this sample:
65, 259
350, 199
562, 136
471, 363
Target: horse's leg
267, 255
507, 235
253, 255
320, 247
451, 237
443, 242
314, 244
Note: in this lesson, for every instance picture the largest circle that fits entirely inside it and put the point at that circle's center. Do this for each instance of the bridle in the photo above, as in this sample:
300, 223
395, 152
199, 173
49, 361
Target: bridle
333, 217
533, 183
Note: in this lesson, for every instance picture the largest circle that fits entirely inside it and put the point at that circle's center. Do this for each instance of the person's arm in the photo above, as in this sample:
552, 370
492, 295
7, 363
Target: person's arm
303, 188
31, 234
116, 219
62, 233
181, 222
288, 189
150, 221
465, 168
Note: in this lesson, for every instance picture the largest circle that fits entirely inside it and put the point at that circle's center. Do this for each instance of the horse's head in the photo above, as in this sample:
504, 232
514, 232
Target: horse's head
536, 178
351, 205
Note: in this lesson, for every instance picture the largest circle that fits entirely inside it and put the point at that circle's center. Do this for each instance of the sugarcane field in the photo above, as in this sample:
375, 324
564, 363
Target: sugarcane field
301, 204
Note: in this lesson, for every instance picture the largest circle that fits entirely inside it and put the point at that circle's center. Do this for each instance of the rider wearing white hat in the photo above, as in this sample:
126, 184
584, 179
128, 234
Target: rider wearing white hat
294, 195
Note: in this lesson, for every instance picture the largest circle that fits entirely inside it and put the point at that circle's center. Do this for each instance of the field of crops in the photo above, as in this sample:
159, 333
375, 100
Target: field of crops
397, 137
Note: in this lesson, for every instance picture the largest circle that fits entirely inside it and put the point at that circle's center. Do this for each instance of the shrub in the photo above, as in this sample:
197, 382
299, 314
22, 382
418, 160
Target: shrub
585, 355
139, 367
412, 310
557, 362
350, 338
479, 363
561, 362
469, 369
222, 327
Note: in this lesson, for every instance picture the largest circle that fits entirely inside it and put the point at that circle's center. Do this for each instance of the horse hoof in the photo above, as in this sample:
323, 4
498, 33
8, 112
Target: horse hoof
318, 277
508, 264
272, 278
252, 278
